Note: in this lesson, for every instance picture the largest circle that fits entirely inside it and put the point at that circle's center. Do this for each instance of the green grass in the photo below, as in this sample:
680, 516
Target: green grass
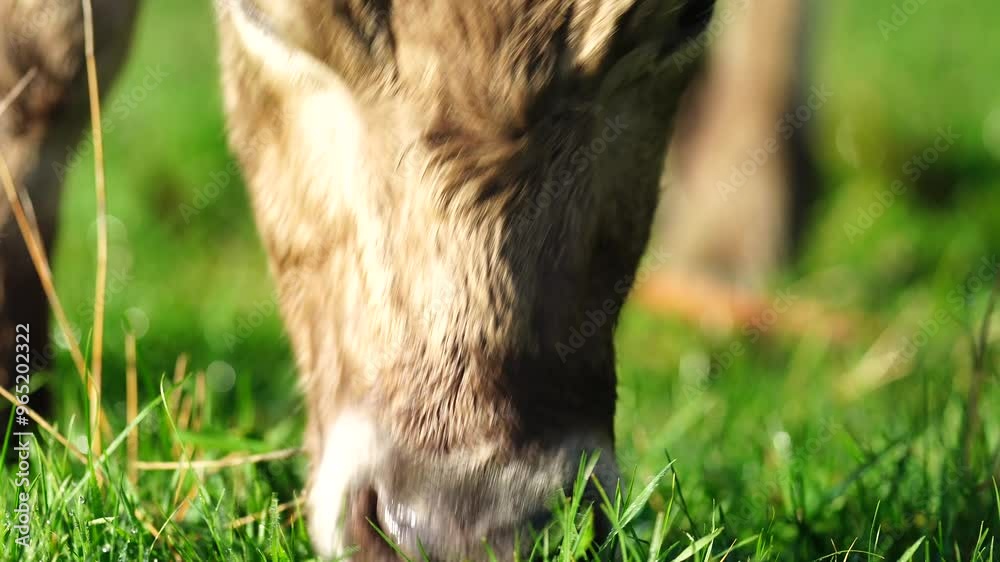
793, 448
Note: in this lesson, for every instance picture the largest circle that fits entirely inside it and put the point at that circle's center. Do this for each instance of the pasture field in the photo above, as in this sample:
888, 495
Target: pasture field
879, 440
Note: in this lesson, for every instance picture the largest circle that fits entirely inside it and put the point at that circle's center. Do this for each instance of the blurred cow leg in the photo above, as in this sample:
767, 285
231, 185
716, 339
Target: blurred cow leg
738, 168
39, 133
805, 181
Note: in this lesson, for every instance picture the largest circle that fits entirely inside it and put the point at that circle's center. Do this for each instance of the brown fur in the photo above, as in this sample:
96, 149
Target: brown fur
492, 117
464, 110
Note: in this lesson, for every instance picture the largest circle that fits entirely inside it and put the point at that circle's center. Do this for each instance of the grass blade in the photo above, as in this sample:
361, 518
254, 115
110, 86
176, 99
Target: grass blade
908, 555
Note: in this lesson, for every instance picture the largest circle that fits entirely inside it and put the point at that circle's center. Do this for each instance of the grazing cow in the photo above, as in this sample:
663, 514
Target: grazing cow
447, 189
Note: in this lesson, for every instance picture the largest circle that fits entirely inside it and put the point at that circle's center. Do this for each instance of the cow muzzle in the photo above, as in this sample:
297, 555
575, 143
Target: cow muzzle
466, 505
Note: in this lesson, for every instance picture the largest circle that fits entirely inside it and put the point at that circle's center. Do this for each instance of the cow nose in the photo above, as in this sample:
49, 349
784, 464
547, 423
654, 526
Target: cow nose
448, 534
442, 527
446, 514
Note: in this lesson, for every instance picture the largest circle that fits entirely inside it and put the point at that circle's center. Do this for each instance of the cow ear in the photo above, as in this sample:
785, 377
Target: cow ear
308, 45
257, 45
604, 30
593, 28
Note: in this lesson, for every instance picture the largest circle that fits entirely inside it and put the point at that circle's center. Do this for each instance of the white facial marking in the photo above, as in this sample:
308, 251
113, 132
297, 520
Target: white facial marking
349, 451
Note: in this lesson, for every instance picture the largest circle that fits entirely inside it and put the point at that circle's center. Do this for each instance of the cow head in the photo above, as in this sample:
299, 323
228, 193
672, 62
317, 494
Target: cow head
448, 190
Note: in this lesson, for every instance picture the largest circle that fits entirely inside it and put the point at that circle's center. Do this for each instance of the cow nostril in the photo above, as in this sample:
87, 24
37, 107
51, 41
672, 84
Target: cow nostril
364, 512
368, 529
383, 520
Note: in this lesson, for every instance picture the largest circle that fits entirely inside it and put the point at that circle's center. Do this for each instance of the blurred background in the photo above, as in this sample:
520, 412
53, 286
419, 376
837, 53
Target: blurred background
808, 349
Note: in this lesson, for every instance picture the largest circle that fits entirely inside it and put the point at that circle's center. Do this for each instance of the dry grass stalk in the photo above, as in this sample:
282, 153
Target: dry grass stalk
255, 517
183, 414
18, 88
200, 396
188, 500
180, 370
180, 450
200, 393
184, 417
146, 523
77, 453
102, 230
228, 462
32, 240
131, 406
